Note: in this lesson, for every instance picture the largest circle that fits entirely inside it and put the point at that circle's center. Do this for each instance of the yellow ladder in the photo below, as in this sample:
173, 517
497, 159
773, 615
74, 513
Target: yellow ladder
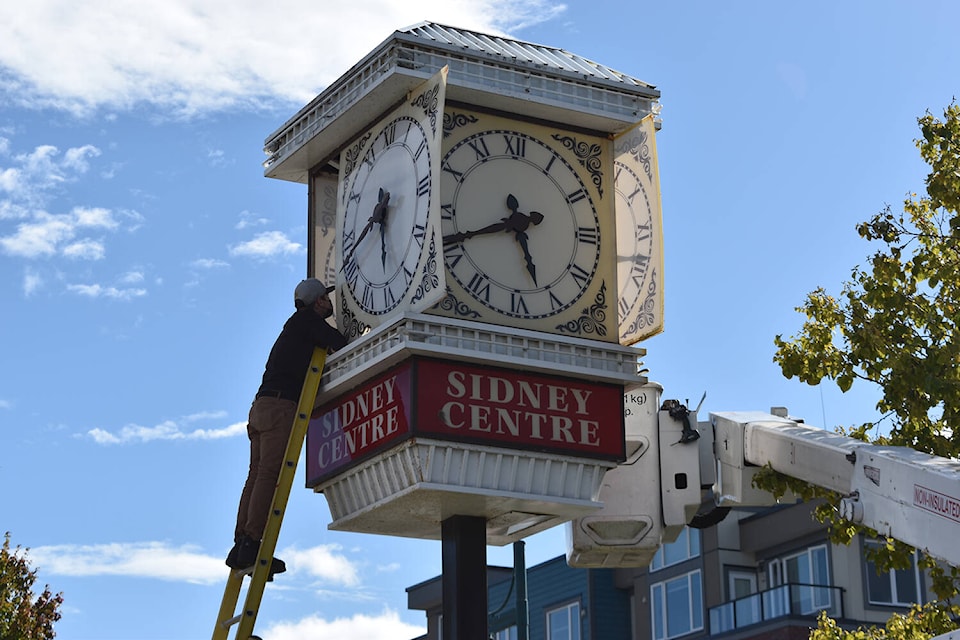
260, 571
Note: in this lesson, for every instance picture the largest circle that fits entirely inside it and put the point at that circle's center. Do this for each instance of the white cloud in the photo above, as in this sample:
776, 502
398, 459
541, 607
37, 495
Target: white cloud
323, 562
192, 56
167, 430
85, 250
184, 563
5, 404
100, 291
249, 219
31, 282
266, 245
385, 626
158, 560
209, 263
52, 234
132, 277
34, 175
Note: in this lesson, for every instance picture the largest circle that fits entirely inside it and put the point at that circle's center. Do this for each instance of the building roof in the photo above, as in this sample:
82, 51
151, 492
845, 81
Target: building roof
485, 70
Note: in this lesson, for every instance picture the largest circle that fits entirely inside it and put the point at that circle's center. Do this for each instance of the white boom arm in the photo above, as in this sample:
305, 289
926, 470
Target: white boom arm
901, 493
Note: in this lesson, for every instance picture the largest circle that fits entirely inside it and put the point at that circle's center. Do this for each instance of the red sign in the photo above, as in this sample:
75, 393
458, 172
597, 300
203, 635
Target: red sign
468, 403
358, 424
502, 407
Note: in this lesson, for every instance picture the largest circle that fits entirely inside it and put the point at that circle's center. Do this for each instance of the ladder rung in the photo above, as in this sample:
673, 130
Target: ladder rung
226, 624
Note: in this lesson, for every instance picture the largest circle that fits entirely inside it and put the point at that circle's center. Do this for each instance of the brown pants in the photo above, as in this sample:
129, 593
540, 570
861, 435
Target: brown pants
268, 427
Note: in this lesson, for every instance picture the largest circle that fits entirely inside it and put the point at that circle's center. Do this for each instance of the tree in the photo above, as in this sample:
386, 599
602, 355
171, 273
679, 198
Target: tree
22, 616
895, 324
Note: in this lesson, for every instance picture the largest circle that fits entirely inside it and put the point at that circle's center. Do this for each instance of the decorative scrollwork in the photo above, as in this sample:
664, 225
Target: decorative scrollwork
352, 155
351, 326
646, 317
592, 318
430, 280
588, 155
637, 146
452, 305
453, 120
429, 101
328, 209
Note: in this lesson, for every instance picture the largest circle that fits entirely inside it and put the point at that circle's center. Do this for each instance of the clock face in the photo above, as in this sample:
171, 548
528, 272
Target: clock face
521, 231
386, 205
634, 238
639, 234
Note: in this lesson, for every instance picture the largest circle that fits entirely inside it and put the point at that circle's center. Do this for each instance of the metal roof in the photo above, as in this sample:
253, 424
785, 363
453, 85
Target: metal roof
485, 70
521, 52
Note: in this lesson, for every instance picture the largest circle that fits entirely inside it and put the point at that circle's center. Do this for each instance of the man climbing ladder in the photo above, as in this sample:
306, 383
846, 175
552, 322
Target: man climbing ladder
276, 428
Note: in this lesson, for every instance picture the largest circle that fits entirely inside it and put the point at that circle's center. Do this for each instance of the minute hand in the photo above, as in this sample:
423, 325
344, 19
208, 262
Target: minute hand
460, 236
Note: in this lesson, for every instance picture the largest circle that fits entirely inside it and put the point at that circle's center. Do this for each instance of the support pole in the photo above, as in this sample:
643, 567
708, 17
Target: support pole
522, 604
464, 549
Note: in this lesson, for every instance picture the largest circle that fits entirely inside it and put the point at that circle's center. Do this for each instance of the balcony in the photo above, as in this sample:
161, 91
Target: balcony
792, 599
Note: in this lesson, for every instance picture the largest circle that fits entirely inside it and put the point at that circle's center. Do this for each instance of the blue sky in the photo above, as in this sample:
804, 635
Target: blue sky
146, 265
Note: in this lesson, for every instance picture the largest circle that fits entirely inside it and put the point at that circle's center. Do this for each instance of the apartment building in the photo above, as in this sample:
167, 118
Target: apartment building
757, 575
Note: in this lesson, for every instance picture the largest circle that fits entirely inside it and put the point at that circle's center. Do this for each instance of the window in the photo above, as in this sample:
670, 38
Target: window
506, 634
808, 568
677, 606
564, 623
686, 546
900, 587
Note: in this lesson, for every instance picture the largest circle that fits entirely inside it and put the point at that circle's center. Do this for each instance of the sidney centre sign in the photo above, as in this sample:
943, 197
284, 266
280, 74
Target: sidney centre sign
445, 400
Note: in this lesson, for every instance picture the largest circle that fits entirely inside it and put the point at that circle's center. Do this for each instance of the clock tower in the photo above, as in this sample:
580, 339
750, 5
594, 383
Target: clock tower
489, 211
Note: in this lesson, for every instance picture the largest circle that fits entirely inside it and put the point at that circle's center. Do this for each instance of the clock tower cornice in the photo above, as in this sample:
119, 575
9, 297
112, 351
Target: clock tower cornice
487, 71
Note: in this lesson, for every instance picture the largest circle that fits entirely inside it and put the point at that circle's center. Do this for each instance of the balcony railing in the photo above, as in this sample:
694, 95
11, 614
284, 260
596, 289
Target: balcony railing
791, 599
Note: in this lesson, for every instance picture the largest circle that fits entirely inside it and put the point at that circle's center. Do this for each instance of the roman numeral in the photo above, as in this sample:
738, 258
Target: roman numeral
452, 254
579, 274
587, 234
480, 286
420, 150
457, 175
643, 232
423, 187
351, 270
390, 133
518, 304
419, 233
546, 169
389, 299
576, 196
479, 147
516, 145
367, 297
555, 302
446, 212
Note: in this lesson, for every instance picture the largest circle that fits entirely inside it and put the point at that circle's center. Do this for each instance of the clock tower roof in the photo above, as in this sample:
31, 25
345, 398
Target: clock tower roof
485, 70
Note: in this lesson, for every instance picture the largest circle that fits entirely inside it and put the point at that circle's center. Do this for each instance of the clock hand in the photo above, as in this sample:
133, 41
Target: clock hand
460, 236
380, 212
377, 217
519, 223
531, 268
516, 222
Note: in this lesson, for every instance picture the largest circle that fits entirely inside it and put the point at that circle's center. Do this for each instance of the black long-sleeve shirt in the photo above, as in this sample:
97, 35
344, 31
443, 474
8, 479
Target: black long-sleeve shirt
290, 356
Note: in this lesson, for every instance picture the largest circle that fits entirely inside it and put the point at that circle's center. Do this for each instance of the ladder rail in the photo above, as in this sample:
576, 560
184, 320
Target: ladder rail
261, 568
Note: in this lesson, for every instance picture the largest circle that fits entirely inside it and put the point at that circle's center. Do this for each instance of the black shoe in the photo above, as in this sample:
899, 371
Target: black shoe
232, 556
243, 555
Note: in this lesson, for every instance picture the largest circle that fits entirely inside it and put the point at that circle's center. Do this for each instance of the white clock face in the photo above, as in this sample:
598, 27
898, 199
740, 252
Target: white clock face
634, 238
520, 230
386, 209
